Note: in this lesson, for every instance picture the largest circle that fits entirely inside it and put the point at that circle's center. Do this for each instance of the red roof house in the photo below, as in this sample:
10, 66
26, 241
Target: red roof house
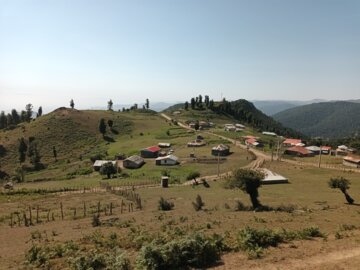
291, 142
299, 151
150, 152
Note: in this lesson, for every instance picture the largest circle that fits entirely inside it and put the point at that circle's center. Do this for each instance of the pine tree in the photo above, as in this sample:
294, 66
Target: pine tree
102, 126
110, 105
147, 104
186, 105
22, 150
72, 104
39, 112
29, 111
15, 116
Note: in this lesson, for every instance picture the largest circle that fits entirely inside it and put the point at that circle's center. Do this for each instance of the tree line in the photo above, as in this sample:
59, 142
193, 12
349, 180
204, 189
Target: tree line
12, 119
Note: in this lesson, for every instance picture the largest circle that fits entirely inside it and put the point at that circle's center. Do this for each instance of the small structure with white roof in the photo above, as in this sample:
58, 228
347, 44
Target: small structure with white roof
169, 160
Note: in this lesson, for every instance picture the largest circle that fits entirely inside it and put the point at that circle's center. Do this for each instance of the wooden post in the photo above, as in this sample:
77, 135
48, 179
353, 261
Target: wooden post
37, 214
52, 216
111, 208
105, 210
48, 215
75, 213
129, 207
98, 209
30, 218
11, 220
122, 202
84, 209
25, 220
19, 219
62, 212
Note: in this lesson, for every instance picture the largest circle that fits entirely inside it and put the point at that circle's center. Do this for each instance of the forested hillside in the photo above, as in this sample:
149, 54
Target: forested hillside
327, 119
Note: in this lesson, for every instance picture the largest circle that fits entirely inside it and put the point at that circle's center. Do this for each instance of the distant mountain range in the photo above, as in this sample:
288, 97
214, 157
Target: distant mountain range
333, 119
271, 107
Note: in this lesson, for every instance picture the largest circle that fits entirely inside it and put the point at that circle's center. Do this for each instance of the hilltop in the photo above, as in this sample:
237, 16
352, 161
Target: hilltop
327, 119
241, 111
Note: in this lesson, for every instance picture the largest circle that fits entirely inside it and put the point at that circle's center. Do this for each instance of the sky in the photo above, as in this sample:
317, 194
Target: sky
91, 51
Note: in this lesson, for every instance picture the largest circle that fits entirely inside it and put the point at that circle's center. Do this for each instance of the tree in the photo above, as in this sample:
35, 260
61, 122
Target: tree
39, 112
207, 101
110, 123
198, 204
108, 169
197, 126
22, 150
23, 116
248, 181
15, 116
147, 104
29, 111
192, 103
34, 153
72, 104
342, 184
2, 120
54, 153
200, 100
110, 105
102, 126
186, 105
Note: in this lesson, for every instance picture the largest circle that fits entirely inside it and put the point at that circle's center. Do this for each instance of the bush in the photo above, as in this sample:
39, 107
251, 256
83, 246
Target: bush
96, 221
165, 205
193, 175
198, 204
195, 251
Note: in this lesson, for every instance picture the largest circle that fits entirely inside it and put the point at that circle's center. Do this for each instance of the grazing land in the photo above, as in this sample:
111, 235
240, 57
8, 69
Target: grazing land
58, 219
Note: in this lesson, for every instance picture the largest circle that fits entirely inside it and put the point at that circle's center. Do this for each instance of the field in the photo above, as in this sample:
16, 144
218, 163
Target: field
52, 224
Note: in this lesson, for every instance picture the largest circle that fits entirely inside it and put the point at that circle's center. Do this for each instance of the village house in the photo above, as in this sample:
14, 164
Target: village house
164, 145
315, 149
196, 143
133, 162
253, 142
292, 142
220, 150
352, 161
229, 127
269, 133
98, 163
299, 151
240, 126
325, 150
150, 152
169, 160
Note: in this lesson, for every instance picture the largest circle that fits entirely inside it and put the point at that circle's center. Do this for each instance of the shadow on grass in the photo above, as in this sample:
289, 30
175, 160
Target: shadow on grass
114, 131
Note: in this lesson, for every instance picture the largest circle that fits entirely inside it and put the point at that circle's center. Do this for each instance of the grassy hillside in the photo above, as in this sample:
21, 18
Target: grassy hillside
241, 111
73, 133
327, 119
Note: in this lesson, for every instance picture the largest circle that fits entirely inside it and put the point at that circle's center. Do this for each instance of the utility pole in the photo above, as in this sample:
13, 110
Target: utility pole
320, 157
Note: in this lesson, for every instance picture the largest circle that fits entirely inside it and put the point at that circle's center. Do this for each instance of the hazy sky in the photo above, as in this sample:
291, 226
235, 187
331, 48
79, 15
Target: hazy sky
91, 51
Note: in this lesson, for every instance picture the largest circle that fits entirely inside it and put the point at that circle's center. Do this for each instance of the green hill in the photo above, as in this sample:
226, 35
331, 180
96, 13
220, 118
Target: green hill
73, 133
327, 119
240, 110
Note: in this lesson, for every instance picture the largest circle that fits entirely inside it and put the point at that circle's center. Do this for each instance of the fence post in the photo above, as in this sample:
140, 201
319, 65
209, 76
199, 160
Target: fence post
62, 212
31, 223
98, 208
111, 208
11, 220
37, 214
84, 209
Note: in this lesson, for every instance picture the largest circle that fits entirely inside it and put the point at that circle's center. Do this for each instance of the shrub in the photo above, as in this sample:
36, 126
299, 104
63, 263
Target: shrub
196, 251
198, 204
96, 221
193, 175
165, 205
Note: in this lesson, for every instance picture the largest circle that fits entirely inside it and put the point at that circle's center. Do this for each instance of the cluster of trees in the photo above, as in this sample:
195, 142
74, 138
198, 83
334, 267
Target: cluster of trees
198, 103
12, 119
103, 126
29, 148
